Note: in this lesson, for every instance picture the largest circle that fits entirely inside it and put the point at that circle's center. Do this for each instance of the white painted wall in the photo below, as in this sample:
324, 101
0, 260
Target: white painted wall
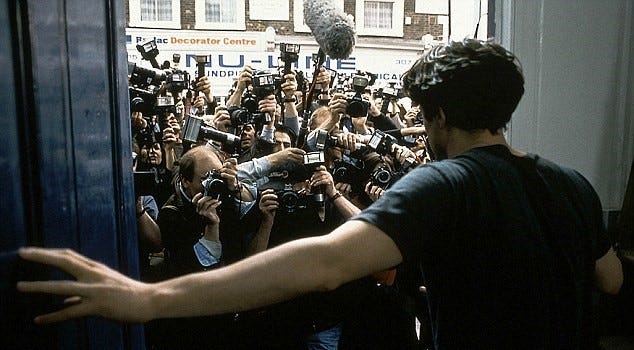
578, 64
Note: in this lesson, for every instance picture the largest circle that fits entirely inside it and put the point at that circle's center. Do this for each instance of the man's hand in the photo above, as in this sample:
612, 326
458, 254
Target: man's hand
204, 85
289, 86
222, 119
229, 172
402, 153
138, 122
323, 79
199, 103
98, 290
373, 191
268, 205
344, 188
169, 138
338, 104
268, 105
321, 177
207, 207
245, 78
348, 141
294, 155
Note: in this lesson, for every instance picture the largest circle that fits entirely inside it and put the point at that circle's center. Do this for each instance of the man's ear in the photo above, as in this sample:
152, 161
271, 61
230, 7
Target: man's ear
185, 183
442, 118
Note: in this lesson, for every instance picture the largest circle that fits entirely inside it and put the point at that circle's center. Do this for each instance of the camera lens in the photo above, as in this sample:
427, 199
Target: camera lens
289, 200
137, 104
357, 107
381, 178
239, 117
249, 103
340, 173
214, 186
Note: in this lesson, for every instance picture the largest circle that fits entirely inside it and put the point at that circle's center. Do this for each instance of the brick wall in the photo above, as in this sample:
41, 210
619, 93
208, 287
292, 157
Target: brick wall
281, 27
188, 14
421, 23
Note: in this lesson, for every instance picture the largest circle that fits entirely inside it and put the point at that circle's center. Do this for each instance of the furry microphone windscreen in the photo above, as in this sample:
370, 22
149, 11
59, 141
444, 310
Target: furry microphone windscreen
332, 28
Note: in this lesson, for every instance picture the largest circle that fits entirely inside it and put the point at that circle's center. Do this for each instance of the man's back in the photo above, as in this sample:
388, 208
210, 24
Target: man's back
507, 250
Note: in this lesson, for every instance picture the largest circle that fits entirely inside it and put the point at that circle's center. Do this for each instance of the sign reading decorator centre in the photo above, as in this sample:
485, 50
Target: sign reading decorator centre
229, 52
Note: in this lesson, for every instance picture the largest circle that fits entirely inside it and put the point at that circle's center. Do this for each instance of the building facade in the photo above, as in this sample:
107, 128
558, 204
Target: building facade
234, 33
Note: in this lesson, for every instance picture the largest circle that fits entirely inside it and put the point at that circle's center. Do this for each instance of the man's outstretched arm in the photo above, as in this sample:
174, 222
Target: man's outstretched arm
354, 250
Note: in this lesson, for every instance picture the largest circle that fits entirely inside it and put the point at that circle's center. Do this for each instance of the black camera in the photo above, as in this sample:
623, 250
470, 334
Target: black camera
291, 200
177, 81
247, 113
144, 77
381, 142
241, 116
142, 100
349, 170
392, 92
289, 54
149, 51
214, 185
143, 88
264, 84
357, 105
381, 177
194, 130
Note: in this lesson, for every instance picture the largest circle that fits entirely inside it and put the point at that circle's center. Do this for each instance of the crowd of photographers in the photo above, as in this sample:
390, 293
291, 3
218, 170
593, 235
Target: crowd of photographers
284, 157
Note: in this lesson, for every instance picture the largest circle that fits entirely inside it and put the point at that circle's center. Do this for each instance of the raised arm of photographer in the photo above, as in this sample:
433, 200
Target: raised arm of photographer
243, 81
323, 81
169, 140
322, 177
268, 205
229, 172
353, 250
289, 87
337, 106
204, 85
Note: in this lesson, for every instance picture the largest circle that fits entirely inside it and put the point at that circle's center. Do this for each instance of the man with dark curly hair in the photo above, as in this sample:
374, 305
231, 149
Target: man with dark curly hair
509, 245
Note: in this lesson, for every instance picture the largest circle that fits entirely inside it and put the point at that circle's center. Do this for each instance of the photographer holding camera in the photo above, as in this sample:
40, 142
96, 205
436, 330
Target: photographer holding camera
198, 232
187, 220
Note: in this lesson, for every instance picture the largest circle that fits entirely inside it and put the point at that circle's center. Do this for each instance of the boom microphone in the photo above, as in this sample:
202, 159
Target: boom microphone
332, 28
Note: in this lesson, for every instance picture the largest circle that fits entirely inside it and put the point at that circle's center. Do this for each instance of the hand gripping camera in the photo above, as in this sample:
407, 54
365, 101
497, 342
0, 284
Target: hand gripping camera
324, 140
214, 186
264, 84
392, 92
349, 170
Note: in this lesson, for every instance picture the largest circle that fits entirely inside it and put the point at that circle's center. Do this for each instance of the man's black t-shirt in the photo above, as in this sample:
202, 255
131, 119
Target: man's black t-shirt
506, 247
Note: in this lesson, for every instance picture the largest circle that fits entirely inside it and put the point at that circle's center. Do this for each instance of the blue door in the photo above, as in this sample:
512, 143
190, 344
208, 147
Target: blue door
65, 159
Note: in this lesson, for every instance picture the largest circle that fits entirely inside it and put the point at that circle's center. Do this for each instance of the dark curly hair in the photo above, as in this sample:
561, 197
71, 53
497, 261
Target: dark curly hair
478, 84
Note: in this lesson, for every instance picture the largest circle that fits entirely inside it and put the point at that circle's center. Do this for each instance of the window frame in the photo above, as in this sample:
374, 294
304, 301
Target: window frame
135, 16
398, 17
240, 23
